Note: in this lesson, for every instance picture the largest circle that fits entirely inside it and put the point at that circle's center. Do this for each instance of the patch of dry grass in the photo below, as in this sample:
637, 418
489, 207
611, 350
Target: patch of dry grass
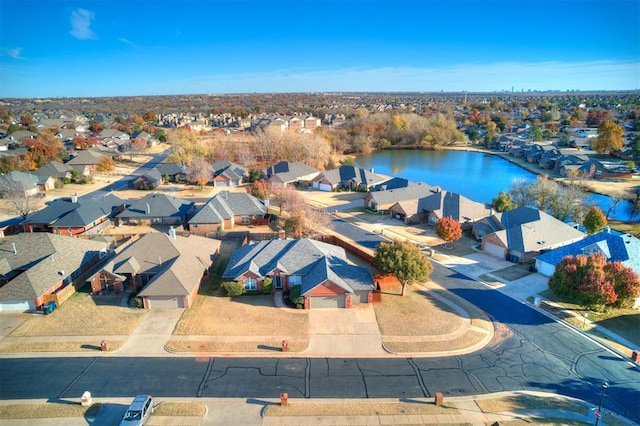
409, 315
44, 346
262, 345
241, 316
190, 409
468, 339
82, 315
542, 421
525, 402
46, 410
362, 408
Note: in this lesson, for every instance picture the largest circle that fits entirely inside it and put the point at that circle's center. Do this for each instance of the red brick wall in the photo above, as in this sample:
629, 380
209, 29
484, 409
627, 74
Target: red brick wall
322, 290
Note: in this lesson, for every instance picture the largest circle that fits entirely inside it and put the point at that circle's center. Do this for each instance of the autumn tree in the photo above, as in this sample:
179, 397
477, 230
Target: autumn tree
138, 146
288, 199
594, 221
625, 281
502, 203
260, 189
306, 222
448, 229
200, 171
106, 164
403, 260
561, 201
184, 146
82, 142
609, 137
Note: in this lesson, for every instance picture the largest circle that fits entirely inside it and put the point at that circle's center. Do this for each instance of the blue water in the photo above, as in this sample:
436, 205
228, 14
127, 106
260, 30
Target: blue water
475, 175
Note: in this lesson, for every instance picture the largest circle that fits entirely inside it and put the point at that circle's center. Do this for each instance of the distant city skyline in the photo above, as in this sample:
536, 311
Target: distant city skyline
104, 48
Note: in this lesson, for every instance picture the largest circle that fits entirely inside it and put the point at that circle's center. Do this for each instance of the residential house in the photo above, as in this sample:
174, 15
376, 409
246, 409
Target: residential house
157, 209
347, 177
382, 201
150, 180
112, 138
311, 123
18, 183
172, 172
74, 216
393, 183
325, 277
33, 267
60, 172
86, 160
439, 205
148, 137
290, 173
19, 136
226, 209
523, 233
167, 268
226, 173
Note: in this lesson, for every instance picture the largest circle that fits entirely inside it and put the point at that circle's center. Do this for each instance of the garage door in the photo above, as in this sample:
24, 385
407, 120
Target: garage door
361, 296
165, 302
17, 305
325, 187
314, 185
323, 302
494, 250
221, 183
545, 268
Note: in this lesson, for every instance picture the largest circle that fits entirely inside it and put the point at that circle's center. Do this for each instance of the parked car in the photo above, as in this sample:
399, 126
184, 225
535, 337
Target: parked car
138, 412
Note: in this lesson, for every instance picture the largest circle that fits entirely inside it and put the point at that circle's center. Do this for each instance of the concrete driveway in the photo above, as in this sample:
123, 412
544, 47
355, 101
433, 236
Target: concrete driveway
152, 333
344, 332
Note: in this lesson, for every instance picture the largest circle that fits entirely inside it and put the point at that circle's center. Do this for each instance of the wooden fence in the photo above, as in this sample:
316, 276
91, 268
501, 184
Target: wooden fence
59, 296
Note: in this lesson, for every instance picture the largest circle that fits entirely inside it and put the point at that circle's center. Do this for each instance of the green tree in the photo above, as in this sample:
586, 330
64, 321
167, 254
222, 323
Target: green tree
502, 203
609, 137
404, 260
448, 229
594, 221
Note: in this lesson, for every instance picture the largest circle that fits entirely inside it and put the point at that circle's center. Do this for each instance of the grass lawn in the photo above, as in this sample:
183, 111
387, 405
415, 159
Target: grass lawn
259, 325
623, 322
431, 320
83, 315
361, 408
47, 410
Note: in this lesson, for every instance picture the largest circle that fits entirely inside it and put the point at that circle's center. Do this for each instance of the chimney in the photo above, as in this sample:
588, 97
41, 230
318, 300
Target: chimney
15, 251
172, 232
148, 209
607, 229
74, 199
371, 170
281, 234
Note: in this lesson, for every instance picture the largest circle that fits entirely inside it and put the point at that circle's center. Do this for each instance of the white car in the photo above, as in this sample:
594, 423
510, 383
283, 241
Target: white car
138, 412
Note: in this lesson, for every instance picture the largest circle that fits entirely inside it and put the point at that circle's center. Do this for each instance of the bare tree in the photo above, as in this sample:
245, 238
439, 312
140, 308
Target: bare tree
200, 171
18, 200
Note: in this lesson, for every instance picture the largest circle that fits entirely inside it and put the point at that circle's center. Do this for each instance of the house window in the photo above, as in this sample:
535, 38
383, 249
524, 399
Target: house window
244, 220
157, 220
250, 284
295, 280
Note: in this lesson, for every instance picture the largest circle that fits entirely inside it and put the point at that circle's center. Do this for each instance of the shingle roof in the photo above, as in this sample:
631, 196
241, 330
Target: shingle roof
158, 205
225, 205
170, 169
345, 174
85, 157
65, 212
55, 169
228, 169
315, 261
40, 261
450, 204
177, 264
289, 171
528, 230
616, 246
19, 181
414, 192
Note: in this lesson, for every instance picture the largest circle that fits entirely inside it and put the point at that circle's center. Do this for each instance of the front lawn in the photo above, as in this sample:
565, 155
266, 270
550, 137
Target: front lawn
83, 315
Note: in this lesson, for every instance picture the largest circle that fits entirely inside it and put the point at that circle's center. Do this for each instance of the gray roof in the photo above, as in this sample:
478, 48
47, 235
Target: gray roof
40, 261
413, 192
527, 229
314, 261
225, 205
449, 204
170, 169
54, 169
87, 156
357, 175
228, 169
158, 205
19, 181
393, 183
289, 171
177, 264
153, 175
75, 211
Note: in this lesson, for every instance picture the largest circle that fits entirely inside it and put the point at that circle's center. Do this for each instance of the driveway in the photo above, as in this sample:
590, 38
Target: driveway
344, 332
152, 333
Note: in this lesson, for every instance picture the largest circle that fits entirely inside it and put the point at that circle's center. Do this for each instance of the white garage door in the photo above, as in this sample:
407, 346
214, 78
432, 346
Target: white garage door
17, 305
494, 250
314, 185
545, 268
323, 302
325, 187
165, 302
361, 296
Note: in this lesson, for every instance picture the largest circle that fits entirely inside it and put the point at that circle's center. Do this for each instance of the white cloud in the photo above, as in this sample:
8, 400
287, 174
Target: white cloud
80, 24
13, 52
126, 41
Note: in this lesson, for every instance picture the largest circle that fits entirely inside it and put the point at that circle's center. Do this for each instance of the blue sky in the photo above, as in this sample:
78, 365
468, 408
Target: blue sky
52, 48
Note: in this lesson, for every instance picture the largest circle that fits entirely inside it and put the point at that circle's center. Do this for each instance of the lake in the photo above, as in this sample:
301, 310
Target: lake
476, 175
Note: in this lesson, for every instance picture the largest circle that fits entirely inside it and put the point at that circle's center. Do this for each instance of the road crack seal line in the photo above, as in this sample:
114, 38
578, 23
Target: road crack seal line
363, 377
423, 387
307, 378
205, 378
77, 379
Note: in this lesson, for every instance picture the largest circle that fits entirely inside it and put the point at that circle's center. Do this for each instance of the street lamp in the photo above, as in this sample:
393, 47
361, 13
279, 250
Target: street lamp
605, 385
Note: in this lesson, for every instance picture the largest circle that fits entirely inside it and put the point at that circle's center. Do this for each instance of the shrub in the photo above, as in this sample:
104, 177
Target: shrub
232, 288
267, 285
294, 293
